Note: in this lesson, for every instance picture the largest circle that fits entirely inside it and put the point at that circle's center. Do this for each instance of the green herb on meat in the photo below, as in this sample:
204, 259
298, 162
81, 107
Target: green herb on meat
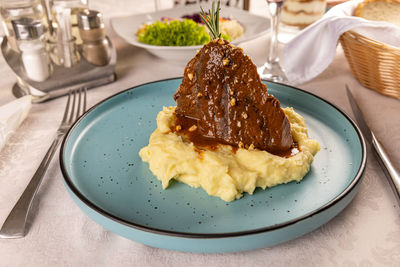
211, 20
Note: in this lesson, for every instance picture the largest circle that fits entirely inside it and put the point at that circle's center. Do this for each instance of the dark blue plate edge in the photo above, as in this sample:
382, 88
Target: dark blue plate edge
328, 205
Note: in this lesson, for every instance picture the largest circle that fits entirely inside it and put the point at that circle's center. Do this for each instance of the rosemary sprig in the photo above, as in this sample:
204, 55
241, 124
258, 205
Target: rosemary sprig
212, 20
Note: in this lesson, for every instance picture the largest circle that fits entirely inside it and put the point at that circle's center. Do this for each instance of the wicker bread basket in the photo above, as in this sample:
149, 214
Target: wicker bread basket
373, 63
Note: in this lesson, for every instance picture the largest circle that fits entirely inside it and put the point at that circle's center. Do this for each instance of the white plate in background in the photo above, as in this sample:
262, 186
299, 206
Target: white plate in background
126, 27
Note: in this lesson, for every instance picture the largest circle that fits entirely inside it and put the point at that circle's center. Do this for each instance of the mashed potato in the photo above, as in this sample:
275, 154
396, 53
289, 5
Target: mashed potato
231, 28
224, 173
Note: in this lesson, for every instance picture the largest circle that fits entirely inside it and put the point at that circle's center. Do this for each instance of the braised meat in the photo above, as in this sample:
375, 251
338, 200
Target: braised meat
222, 98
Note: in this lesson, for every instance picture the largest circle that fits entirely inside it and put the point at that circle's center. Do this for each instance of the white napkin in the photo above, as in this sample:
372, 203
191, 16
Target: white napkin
312, 50
11, 116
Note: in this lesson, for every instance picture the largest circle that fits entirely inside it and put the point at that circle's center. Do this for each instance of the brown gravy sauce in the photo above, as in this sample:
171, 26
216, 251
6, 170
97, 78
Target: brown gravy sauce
201, 142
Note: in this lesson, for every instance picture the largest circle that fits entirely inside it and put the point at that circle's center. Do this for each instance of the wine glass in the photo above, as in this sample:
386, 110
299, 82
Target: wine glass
271, 70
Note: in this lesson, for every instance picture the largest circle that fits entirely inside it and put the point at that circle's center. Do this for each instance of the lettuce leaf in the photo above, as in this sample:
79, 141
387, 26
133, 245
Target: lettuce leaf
174, 33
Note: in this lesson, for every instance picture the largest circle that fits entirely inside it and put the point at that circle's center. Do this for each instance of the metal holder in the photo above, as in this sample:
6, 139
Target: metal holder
81, 75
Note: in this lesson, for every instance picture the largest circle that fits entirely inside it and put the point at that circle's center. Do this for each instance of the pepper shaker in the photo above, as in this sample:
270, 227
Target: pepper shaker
29, 34
95, 46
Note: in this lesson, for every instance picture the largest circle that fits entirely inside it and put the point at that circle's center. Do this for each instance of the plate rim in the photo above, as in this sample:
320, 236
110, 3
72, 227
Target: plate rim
357, 179
136, 43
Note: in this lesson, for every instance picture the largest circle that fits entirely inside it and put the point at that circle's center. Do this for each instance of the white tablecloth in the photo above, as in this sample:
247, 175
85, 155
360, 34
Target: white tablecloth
366, 233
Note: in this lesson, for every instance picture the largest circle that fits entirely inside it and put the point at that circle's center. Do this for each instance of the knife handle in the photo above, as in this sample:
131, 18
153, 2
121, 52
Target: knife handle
391, 173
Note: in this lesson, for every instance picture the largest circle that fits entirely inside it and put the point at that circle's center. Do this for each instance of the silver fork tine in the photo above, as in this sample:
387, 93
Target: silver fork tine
64, 120
84, 99
71, 117
78, 109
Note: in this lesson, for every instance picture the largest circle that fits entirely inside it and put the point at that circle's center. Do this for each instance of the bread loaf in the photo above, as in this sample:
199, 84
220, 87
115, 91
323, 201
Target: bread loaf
382, 10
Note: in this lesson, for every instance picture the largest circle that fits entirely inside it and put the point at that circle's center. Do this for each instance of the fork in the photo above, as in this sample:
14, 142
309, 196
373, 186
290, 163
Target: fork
14, 225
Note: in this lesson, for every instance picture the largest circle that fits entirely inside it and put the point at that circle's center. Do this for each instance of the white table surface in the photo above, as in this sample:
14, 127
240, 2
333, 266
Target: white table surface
366, 233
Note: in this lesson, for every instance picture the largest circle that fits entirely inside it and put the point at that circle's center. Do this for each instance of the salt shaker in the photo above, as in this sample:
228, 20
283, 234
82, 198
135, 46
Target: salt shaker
29, 34
15, 9
95, 46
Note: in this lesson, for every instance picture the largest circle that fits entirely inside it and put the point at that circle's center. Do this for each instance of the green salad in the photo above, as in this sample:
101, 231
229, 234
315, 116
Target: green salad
184, 32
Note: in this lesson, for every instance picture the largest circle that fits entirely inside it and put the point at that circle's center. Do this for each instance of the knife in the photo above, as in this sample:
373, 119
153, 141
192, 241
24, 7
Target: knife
384, 161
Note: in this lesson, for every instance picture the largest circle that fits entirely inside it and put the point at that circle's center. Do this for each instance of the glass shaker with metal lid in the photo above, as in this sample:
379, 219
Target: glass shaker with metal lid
15, 9
65, 16
29, 34
95, 45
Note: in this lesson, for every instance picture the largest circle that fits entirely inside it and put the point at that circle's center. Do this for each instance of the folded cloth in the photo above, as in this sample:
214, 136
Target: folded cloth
11, 116
312, 50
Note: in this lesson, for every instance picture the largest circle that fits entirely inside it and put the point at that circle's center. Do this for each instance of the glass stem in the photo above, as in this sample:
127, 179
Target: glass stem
275, 11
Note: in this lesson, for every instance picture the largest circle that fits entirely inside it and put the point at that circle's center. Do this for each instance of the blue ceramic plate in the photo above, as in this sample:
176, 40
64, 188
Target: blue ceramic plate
108, 181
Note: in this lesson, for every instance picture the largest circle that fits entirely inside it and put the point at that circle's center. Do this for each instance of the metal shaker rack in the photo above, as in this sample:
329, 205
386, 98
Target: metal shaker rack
81, 75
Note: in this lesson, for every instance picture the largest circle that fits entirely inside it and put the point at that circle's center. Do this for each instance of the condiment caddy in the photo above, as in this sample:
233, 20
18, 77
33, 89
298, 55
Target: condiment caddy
53, 52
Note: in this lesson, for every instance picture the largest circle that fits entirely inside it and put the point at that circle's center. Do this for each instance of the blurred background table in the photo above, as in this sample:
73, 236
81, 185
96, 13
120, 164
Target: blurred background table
366, 233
